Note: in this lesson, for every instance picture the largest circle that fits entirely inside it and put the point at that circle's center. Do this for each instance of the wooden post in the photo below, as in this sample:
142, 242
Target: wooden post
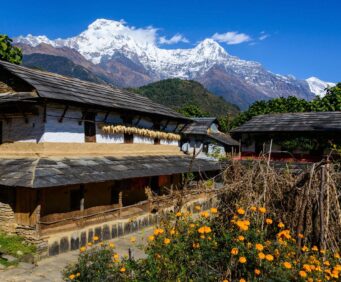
321, 208
120, 202
270, 149
37, 212
240, 148
81, 202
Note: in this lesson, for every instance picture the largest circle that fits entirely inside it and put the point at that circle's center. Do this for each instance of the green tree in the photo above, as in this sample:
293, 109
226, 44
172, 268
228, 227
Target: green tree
8, 52
330, 102
193, 111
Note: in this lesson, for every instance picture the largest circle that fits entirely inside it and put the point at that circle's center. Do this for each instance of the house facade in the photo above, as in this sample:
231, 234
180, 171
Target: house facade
77, 158
307, 136
203, 138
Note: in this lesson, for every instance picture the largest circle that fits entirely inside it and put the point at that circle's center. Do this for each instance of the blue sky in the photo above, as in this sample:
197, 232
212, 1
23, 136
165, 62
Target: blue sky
303, 38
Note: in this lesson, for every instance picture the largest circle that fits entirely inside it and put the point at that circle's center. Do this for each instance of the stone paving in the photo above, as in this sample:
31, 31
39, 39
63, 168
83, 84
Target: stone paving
49, 269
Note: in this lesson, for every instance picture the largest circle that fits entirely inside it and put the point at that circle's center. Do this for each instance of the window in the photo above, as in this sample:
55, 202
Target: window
156, 127
0, 132
115, 193
128, 138
90, 127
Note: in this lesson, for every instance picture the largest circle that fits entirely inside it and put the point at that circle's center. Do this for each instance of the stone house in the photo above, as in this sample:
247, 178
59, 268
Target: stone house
203, 138
76, 157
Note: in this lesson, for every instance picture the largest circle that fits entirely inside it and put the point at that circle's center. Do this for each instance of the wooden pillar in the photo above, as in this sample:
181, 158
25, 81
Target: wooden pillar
81, 202
38, 211
120, 202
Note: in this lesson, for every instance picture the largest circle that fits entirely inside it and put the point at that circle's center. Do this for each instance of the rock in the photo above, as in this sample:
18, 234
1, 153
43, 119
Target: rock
20, 253
9, 258
28, 258
25, 265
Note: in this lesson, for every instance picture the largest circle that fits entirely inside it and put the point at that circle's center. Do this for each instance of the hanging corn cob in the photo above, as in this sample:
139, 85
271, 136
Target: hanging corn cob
121, 129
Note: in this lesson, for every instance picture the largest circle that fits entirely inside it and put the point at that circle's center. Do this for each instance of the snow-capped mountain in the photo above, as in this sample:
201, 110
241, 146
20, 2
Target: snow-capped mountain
317, 86
129, 56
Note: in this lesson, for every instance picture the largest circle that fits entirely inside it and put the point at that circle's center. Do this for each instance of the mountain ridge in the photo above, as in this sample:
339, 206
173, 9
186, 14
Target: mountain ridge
120, 55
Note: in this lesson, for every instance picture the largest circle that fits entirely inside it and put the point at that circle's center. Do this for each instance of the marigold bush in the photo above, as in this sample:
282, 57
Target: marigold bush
245, 246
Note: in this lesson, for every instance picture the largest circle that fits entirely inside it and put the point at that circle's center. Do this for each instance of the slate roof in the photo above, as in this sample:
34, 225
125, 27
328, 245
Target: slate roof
56, 87
292, 122
199, 126
52, 172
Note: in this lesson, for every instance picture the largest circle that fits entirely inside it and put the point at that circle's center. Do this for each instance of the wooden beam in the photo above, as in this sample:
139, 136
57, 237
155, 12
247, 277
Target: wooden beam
138, 121
182, 128
83, 116
63, 114
44, 113
177, 125
165, 126
106, 116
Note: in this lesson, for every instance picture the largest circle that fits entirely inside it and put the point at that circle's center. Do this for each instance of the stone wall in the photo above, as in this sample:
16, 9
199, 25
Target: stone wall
73, 240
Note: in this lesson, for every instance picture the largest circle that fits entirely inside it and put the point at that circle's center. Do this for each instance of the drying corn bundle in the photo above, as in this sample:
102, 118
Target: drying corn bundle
122, 129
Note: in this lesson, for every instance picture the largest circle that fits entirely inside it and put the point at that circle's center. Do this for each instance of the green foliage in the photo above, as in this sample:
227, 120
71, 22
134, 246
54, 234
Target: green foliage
178, 94
193, 111
8, 52
330, 102
15, 246
213, 247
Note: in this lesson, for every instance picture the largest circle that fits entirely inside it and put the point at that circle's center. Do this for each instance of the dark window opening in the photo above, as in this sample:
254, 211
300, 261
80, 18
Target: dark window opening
75, 199
90, 127
128, 138
205, 148
115, 194
156, 141
156, 127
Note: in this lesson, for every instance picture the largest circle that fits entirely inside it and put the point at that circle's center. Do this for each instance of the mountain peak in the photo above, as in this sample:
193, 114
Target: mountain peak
106, 24
318, 86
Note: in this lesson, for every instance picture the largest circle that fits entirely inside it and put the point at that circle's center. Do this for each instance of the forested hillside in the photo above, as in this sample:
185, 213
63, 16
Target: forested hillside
183, 94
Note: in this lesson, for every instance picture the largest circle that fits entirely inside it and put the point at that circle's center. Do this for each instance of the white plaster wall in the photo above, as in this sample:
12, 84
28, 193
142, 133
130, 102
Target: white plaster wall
17, 130
143, 140
110, 138
68, 131
214, 149
169, 142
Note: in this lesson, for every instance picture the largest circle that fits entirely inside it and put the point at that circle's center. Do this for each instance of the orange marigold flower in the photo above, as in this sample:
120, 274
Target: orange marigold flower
166, 241
327, 263
261, 255
192, 225
133, 239
225, 280
268, 221
242, 280
262, 209
96, 238
72, 276
198, 208
253, 208
82, 249
158, 231
242, 259
89, 244
78, 274
172, 231
257, 271
214, 210
196, 245
112, 245
234, 251
281, 225
123, 269
315, 248
151, 238
204, 214
305, 249
178, 214
204, 229
259, 247
241, 238
303, 274
300, 235
337, 255
269, 257
243, 224
240, 211
287, 264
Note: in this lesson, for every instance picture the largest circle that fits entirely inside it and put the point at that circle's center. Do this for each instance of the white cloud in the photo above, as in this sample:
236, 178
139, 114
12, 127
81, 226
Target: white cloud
231, 37
173, 40
263, 36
